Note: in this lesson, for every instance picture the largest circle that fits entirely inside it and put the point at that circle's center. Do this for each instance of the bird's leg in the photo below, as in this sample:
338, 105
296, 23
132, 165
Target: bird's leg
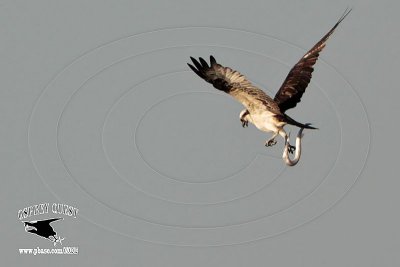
243, 119
285, 136
271, 141
53, 239
56, 239
60, 240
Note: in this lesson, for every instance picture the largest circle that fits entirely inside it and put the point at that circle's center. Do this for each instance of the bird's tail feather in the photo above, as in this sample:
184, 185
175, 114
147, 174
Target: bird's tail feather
298, 124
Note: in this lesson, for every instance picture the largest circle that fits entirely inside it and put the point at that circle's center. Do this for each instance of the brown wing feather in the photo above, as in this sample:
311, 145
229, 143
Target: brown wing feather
235, 84
299, 77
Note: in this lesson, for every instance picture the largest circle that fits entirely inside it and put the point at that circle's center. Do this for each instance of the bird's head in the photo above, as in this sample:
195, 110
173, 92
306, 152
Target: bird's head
30, 227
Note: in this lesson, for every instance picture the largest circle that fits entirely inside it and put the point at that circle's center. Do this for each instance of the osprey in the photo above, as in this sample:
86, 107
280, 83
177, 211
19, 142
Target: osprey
43, 229
266, 113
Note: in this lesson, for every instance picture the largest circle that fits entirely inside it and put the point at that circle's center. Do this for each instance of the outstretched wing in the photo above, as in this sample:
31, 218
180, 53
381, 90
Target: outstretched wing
47, 222
235, 84
299, 77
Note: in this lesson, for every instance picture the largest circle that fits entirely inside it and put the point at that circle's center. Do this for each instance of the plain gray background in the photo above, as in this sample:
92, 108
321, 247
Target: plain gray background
111, 122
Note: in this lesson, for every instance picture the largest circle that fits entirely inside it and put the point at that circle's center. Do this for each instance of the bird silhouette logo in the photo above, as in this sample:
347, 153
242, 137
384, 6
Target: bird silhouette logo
44, 229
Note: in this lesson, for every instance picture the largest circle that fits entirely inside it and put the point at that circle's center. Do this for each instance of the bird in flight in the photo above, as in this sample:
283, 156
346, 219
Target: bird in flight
43, 229
267, 113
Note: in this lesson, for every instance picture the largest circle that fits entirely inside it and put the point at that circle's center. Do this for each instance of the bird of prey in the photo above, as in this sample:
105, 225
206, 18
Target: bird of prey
43, 228
267, 113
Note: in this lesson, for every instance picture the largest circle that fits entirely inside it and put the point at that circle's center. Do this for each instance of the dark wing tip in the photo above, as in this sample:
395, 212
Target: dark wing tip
193, 60
345, 13
203, 63
195, 70
342, 17
196, 63
212, 60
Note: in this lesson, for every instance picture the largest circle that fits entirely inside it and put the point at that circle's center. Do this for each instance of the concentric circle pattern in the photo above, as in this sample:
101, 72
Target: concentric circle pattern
151, 151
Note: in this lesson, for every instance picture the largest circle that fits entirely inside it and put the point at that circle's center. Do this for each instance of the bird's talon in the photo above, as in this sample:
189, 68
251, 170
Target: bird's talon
291, 149
270, 142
